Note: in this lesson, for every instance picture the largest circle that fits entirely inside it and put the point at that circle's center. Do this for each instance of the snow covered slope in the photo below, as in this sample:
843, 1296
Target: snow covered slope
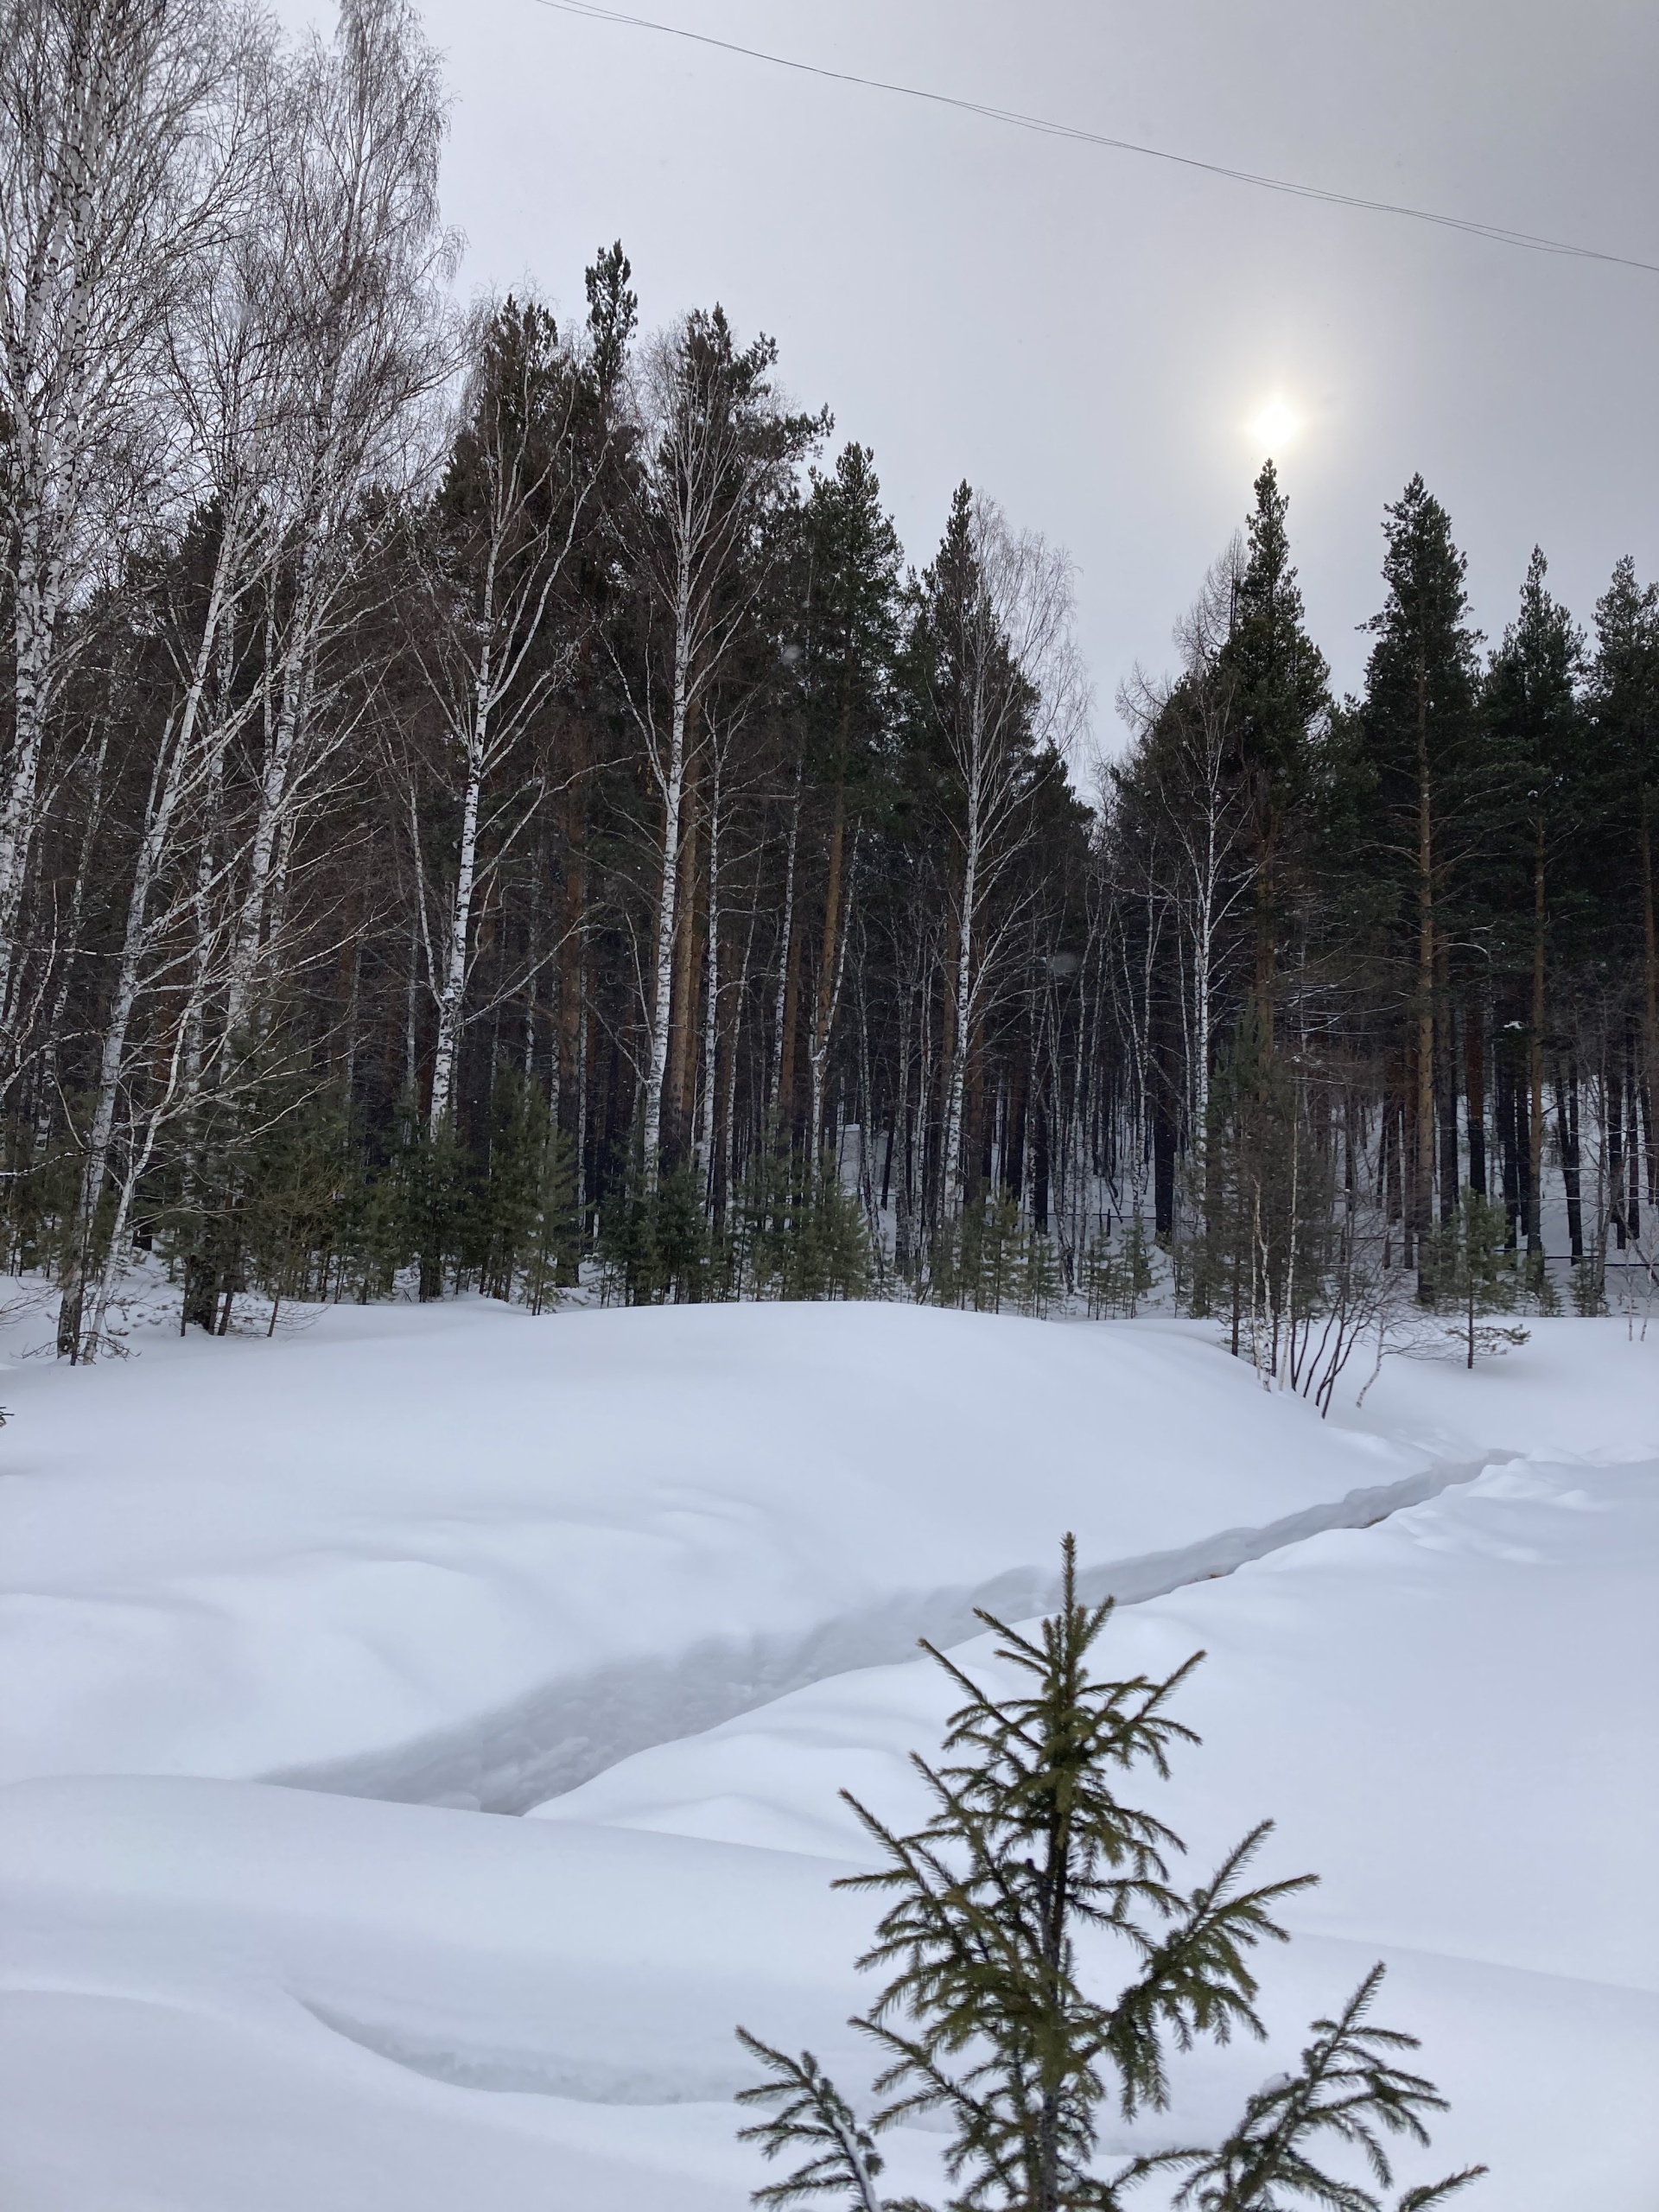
1406, 1700
1576, 1388
401, 1540
1451, 1716
290, 2001
461, 1556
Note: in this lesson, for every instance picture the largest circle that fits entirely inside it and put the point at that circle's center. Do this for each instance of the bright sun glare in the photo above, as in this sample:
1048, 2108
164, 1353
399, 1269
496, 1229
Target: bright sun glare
1276, 425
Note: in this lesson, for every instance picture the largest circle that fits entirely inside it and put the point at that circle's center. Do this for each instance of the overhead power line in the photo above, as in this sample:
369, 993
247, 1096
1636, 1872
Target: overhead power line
1044, 127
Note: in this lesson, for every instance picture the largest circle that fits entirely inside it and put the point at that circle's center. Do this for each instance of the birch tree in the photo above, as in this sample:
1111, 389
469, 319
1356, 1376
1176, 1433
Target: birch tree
1186, 770
352, 142
489, 559
717, 452
123, 134
1003, 697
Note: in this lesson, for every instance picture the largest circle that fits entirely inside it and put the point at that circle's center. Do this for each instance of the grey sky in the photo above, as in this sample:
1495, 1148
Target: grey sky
1087, 335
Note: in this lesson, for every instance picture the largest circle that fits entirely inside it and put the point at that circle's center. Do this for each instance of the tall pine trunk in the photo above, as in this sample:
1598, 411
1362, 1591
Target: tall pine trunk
1535, 1054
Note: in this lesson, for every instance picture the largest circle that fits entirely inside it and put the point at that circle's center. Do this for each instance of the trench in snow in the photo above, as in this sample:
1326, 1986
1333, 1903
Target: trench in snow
571, 1729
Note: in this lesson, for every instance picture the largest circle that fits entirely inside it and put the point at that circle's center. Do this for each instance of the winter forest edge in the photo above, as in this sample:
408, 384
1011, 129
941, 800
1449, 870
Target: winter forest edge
487, 804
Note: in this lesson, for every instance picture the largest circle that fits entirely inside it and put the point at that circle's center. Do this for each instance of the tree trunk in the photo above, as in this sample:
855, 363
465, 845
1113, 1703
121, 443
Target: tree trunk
959, 1041
1474, 1078
783, 1027
33, 624
709, 1103
1423, 1132
292, 681
789, 1034
672, 782
1566, 1116
683, 1027
169, 779
831, 949
1535, 1056
1649, 996
573, 927
452, 993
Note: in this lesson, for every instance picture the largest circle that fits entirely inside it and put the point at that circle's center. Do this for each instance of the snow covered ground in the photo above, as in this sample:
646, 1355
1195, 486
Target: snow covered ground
457, 1556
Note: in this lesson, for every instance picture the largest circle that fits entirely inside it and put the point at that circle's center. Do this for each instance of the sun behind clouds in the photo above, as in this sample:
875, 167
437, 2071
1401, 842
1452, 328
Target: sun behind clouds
1275, 425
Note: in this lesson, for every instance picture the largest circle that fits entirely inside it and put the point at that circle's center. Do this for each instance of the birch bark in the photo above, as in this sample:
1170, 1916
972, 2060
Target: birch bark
718, 451
121, 143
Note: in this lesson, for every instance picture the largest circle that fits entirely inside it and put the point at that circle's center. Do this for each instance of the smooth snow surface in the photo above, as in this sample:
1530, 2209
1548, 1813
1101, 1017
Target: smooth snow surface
460, 1553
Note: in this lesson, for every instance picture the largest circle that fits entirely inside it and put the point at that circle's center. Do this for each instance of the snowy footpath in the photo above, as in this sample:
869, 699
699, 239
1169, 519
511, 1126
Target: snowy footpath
422, 1731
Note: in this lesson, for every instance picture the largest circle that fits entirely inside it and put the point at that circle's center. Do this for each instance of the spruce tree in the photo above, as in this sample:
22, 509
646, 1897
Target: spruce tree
1472, 1267
985, 2017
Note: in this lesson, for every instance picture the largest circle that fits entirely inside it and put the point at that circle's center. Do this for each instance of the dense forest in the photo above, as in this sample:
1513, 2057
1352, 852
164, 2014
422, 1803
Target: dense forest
487, 803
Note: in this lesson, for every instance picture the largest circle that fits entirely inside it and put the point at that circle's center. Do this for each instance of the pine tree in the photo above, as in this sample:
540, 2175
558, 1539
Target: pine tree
850, 593
1418, 739
1533, 732
1279, 685
985, 2017
1623, 826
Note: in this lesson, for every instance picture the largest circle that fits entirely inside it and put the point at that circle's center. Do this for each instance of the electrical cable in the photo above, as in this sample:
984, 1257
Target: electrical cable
1494, 233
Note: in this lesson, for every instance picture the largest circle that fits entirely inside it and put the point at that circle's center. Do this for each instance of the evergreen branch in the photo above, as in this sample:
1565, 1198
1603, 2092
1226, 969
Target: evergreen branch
811, 2116
1196, 1981
1349, 2089
1418, 2200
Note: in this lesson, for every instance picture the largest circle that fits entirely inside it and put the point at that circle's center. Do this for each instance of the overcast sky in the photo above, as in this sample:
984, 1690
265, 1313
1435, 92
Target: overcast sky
1089, 336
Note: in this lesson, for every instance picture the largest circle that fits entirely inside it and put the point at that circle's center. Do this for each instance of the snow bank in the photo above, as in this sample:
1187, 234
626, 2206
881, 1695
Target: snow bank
222, 1992
458, 1554
1575, 1389
1402, 1699
1451, 1717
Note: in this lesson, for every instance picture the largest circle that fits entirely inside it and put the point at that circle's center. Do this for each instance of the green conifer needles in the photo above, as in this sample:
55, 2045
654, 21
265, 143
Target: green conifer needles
987, 2018
811, 2115
1348, 2092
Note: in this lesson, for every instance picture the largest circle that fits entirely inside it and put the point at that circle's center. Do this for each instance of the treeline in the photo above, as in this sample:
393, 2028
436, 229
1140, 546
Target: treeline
486, 803
1387, 965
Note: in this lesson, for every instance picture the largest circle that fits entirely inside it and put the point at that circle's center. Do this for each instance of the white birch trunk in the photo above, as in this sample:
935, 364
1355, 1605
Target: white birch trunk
774, 1088
708, 1106
275, 799
35, 615
168, 781
673, 789
962, 1000
818, 1045
453, 990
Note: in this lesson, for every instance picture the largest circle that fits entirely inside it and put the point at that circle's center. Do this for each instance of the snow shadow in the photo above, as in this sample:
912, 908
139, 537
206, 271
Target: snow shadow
573, 1726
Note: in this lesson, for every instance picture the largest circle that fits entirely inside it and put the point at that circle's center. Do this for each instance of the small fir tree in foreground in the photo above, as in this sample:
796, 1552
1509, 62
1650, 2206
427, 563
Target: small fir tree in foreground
985, 2019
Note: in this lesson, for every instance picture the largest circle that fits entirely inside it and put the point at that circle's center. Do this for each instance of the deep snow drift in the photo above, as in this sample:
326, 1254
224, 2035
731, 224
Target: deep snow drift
463, 1554
458, 1554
